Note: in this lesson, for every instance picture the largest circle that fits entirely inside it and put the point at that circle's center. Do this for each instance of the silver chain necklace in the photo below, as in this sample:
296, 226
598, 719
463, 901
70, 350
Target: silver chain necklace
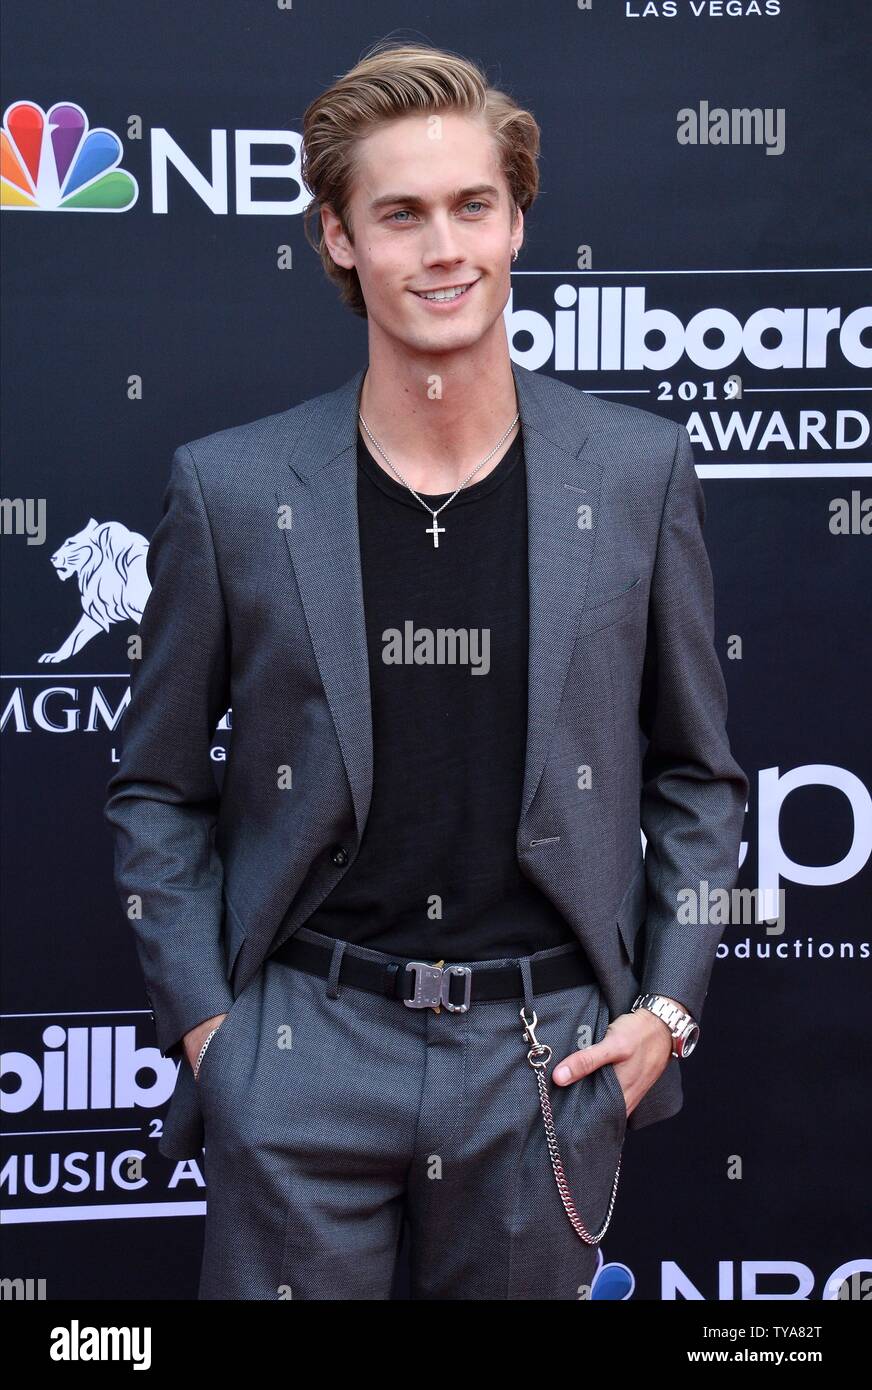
434, 530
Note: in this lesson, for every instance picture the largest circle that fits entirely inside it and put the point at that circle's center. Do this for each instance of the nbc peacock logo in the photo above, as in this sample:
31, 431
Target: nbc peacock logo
50, 161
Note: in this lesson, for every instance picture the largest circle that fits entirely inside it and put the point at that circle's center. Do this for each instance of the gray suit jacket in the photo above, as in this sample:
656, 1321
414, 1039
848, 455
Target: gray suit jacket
260, 608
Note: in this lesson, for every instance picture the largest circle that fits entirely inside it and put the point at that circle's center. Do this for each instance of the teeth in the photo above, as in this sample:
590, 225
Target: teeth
445, 294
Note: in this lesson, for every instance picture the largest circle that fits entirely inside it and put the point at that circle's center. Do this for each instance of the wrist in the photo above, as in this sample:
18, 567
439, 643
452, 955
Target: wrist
656, 1025
678, 1021
196, 1036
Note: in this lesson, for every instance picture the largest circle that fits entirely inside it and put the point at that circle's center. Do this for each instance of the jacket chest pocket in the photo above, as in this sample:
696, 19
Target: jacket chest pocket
602, 610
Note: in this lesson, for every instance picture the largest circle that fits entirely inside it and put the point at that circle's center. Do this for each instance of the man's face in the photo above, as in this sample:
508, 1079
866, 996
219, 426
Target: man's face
430, 210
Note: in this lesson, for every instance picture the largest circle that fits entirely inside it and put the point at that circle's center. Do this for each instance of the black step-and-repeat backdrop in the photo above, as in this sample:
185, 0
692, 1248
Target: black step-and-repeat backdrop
698, 249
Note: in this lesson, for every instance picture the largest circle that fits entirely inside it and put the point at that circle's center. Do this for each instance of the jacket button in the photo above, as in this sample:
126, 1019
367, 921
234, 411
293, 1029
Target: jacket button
339, 855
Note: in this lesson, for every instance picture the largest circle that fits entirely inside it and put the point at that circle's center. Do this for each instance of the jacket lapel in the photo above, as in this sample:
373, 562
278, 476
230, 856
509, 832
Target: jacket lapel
562, 476
324, 547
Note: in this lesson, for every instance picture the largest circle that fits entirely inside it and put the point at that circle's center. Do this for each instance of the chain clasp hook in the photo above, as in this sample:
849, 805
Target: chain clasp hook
541, 1051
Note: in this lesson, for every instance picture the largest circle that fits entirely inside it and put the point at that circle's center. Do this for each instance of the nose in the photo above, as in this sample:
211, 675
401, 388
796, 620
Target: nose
441, 246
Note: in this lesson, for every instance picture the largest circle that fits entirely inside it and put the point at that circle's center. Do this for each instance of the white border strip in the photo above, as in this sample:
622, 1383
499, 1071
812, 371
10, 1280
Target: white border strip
784, 470
133, 1211
775, 270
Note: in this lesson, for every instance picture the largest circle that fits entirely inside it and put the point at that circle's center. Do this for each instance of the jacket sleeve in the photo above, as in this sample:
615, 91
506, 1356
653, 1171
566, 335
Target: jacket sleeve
163, 799
693, 792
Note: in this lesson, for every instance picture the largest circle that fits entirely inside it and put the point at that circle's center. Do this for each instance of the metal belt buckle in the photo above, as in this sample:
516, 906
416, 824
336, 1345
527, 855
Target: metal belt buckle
432, 985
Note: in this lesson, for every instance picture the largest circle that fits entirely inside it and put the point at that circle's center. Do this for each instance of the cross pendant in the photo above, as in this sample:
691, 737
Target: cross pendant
435, 531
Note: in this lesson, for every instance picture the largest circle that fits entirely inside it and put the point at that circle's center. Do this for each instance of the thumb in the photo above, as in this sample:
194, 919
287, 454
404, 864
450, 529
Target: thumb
582, 1063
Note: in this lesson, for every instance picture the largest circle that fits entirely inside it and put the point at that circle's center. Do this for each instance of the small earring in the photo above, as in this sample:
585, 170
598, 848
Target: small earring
514, 253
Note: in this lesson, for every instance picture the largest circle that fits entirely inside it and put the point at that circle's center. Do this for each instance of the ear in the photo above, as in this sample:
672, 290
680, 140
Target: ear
518, 229
335, 238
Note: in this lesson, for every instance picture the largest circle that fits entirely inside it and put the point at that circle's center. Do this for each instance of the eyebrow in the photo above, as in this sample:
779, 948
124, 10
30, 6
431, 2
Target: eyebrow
412, 200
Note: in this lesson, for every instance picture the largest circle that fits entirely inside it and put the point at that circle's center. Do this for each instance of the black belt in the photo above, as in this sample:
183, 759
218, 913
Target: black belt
422, 985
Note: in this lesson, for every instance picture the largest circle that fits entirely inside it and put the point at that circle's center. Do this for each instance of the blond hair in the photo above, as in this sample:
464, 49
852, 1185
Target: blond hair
393, 80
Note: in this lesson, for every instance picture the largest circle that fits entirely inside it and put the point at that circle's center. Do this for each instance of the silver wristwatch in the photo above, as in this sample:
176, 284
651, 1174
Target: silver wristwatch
682, 1025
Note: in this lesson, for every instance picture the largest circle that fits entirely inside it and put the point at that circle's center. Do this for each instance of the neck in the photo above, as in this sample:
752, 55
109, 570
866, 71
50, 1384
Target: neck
437, 417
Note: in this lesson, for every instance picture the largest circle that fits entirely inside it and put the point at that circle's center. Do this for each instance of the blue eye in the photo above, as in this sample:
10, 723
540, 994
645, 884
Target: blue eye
406, 212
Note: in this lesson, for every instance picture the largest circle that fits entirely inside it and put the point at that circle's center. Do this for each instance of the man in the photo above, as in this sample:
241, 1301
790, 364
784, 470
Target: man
448, 602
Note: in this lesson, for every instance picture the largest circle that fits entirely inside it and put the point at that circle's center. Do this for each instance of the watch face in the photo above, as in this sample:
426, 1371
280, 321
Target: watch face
690, 1040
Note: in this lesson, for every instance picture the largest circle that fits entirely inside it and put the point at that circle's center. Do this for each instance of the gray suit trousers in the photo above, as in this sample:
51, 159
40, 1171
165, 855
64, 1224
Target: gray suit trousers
330, 1110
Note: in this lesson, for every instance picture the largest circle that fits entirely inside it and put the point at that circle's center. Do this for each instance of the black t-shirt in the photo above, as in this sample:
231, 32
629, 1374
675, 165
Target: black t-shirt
437, 875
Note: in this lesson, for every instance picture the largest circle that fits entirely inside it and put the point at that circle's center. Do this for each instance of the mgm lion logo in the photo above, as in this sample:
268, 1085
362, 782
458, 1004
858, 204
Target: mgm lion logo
109, 561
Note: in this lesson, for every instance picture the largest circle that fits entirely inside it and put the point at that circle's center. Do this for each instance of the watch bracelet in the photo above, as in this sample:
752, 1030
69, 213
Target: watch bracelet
685, 1012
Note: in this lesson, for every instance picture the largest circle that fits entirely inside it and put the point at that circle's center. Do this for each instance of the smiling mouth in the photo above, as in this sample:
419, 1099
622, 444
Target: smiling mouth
446, 296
